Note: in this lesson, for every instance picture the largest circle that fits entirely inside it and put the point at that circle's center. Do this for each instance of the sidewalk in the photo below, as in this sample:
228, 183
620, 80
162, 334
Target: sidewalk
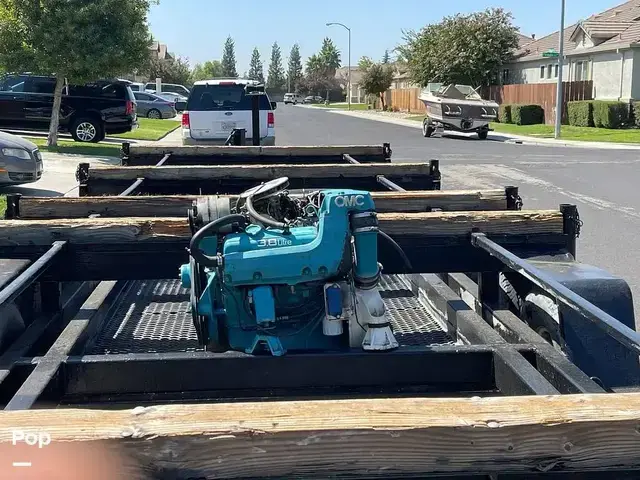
401, 119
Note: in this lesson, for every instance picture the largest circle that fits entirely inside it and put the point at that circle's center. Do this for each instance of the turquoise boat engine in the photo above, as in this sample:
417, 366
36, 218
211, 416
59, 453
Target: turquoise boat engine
275, 272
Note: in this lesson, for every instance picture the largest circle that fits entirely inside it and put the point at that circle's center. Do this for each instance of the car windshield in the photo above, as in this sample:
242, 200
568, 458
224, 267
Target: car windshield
222, 97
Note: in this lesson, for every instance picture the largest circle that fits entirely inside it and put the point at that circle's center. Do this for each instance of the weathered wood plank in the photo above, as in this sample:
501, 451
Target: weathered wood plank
173, 205
120, 230
311, 150
376, 437
259, 172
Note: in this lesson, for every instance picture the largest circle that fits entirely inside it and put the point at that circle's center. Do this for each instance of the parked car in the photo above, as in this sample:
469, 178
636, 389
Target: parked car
309, 99
216, 107
179, 101
20, 160
154, 106
89, 112
318, 99
294, 98
134, 86
168, 87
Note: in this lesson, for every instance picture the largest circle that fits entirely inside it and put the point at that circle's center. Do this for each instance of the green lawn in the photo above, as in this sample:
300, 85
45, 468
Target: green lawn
150, 129
585, 134
345, 106
3, 205
79, 148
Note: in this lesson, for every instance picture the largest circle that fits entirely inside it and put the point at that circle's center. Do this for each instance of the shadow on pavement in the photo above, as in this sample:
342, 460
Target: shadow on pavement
474, 138
31, 192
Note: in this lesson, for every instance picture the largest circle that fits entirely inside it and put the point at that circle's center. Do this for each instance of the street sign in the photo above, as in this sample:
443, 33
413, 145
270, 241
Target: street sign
550, 53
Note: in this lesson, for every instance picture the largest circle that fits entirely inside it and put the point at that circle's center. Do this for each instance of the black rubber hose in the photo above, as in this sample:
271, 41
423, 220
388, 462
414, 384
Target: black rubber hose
255, 216
211, 229
398, 249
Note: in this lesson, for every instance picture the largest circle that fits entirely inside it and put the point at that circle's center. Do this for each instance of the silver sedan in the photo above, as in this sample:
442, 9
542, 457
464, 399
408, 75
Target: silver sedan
152, 106
20, 160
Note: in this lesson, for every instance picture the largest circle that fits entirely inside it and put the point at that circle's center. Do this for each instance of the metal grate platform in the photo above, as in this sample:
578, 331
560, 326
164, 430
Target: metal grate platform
154, 316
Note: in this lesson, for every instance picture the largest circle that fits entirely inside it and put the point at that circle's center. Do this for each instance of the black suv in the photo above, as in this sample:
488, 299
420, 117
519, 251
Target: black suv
89, 112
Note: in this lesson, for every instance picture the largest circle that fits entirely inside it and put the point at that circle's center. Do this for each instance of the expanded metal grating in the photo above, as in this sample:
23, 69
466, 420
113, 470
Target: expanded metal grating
154, 316
412, 323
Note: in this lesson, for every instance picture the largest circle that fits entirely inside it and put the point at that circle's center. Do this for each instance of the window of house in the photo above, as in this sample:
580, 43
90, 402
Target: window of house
557, 70
542, 71
549, 71
505, 76
581, 71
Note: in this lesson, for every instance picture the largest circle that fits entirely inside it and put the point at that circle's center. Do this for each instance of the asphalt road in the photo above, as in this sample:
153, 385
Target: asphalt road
604, 184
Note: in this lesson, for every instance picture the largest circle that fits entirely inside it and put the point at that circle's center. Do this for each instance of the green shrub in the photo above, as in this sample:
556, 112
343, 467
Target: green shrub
504, 114
636, 113
527, 114
610, 114
580, 114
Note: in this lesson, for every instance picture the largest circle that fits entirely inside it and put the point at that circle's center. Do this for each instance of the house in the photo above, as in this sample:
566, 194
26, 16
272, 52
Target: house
158, 51
604, 48
357, 92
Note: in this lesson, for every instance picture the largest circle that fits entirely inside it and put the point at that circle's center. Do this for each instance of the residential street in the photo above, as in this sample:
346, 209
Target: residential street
602, 183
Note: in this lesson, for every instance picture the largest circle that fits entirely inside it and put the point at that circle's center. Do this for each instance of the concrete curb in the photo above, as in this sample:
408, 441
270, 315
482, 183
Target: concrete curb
513, 139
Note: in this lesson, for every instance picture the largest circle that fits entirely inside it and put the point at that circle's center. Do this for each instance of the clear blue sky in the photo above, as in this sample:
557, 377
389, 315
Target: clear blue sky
197, 29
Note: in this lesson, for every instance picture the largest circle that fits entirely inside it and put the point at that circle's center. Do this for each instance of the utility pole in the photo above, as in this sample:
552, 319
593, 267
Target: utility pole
559, 99
349, 67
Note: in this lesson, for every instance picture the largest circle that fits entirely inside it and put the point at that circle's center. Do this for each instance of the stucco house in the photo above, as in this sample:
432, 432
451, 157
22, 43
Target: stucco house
604, 48
357, 93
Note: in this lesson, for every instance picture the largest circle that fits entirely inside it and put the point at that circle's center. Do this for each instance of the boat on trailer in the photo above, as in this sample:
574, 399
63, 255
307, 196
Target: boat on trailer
458, 108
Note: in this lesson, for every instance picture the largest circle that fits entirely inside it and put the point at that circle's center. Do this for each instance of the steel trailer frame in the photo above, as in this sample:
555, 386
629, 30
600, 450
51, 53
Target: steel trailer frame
501, 355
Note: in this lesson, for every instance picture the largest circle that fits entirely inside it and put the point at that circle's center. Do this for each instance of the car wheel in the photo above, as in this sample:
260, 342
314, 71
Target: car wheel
153, 113
86, 130
427, 129
482, 134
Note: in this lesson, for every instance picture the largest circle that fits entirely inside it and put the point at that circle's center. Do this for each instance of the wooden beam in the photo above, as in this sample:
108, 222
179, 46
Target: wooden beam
319, 439
176, 206
122, 230
259, 172
297, 151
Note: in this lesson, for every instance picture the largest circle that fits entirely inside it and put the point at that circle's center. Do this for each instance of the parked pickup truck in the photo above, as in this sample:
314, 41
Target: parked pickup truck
89, 112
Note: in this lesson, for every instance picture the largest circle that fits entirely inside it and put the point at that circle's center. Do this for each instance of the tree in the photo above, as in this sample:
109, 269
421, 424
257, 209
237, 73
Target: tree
294, 70
276, 80
463, 49
207, 70
318, 78
364, 63
229, 59
329, 56
74, 39
170, 70
256, 71
386, 57
377, 79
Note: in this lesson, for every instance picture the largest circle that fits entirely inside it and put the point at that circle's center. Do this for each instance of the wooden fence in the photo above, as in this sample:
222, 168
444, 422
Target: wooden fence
405, 100
543, 94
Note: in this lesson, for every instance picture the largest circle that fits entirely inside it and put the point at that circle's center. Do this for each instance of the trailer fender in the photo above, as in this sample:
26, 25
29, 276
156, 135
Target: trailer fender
11, 325
588, 346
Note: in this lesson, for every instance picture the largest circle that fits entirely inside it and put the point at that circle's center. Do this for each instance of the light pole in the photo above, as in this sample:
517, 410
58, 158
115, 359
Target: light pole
560, 60
349, 67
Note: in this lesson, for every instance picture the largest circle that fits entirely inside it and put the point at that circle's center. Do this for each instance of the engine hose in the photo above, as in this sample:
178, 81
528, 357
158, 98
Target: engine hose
211, 229
398, 249
256, 217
